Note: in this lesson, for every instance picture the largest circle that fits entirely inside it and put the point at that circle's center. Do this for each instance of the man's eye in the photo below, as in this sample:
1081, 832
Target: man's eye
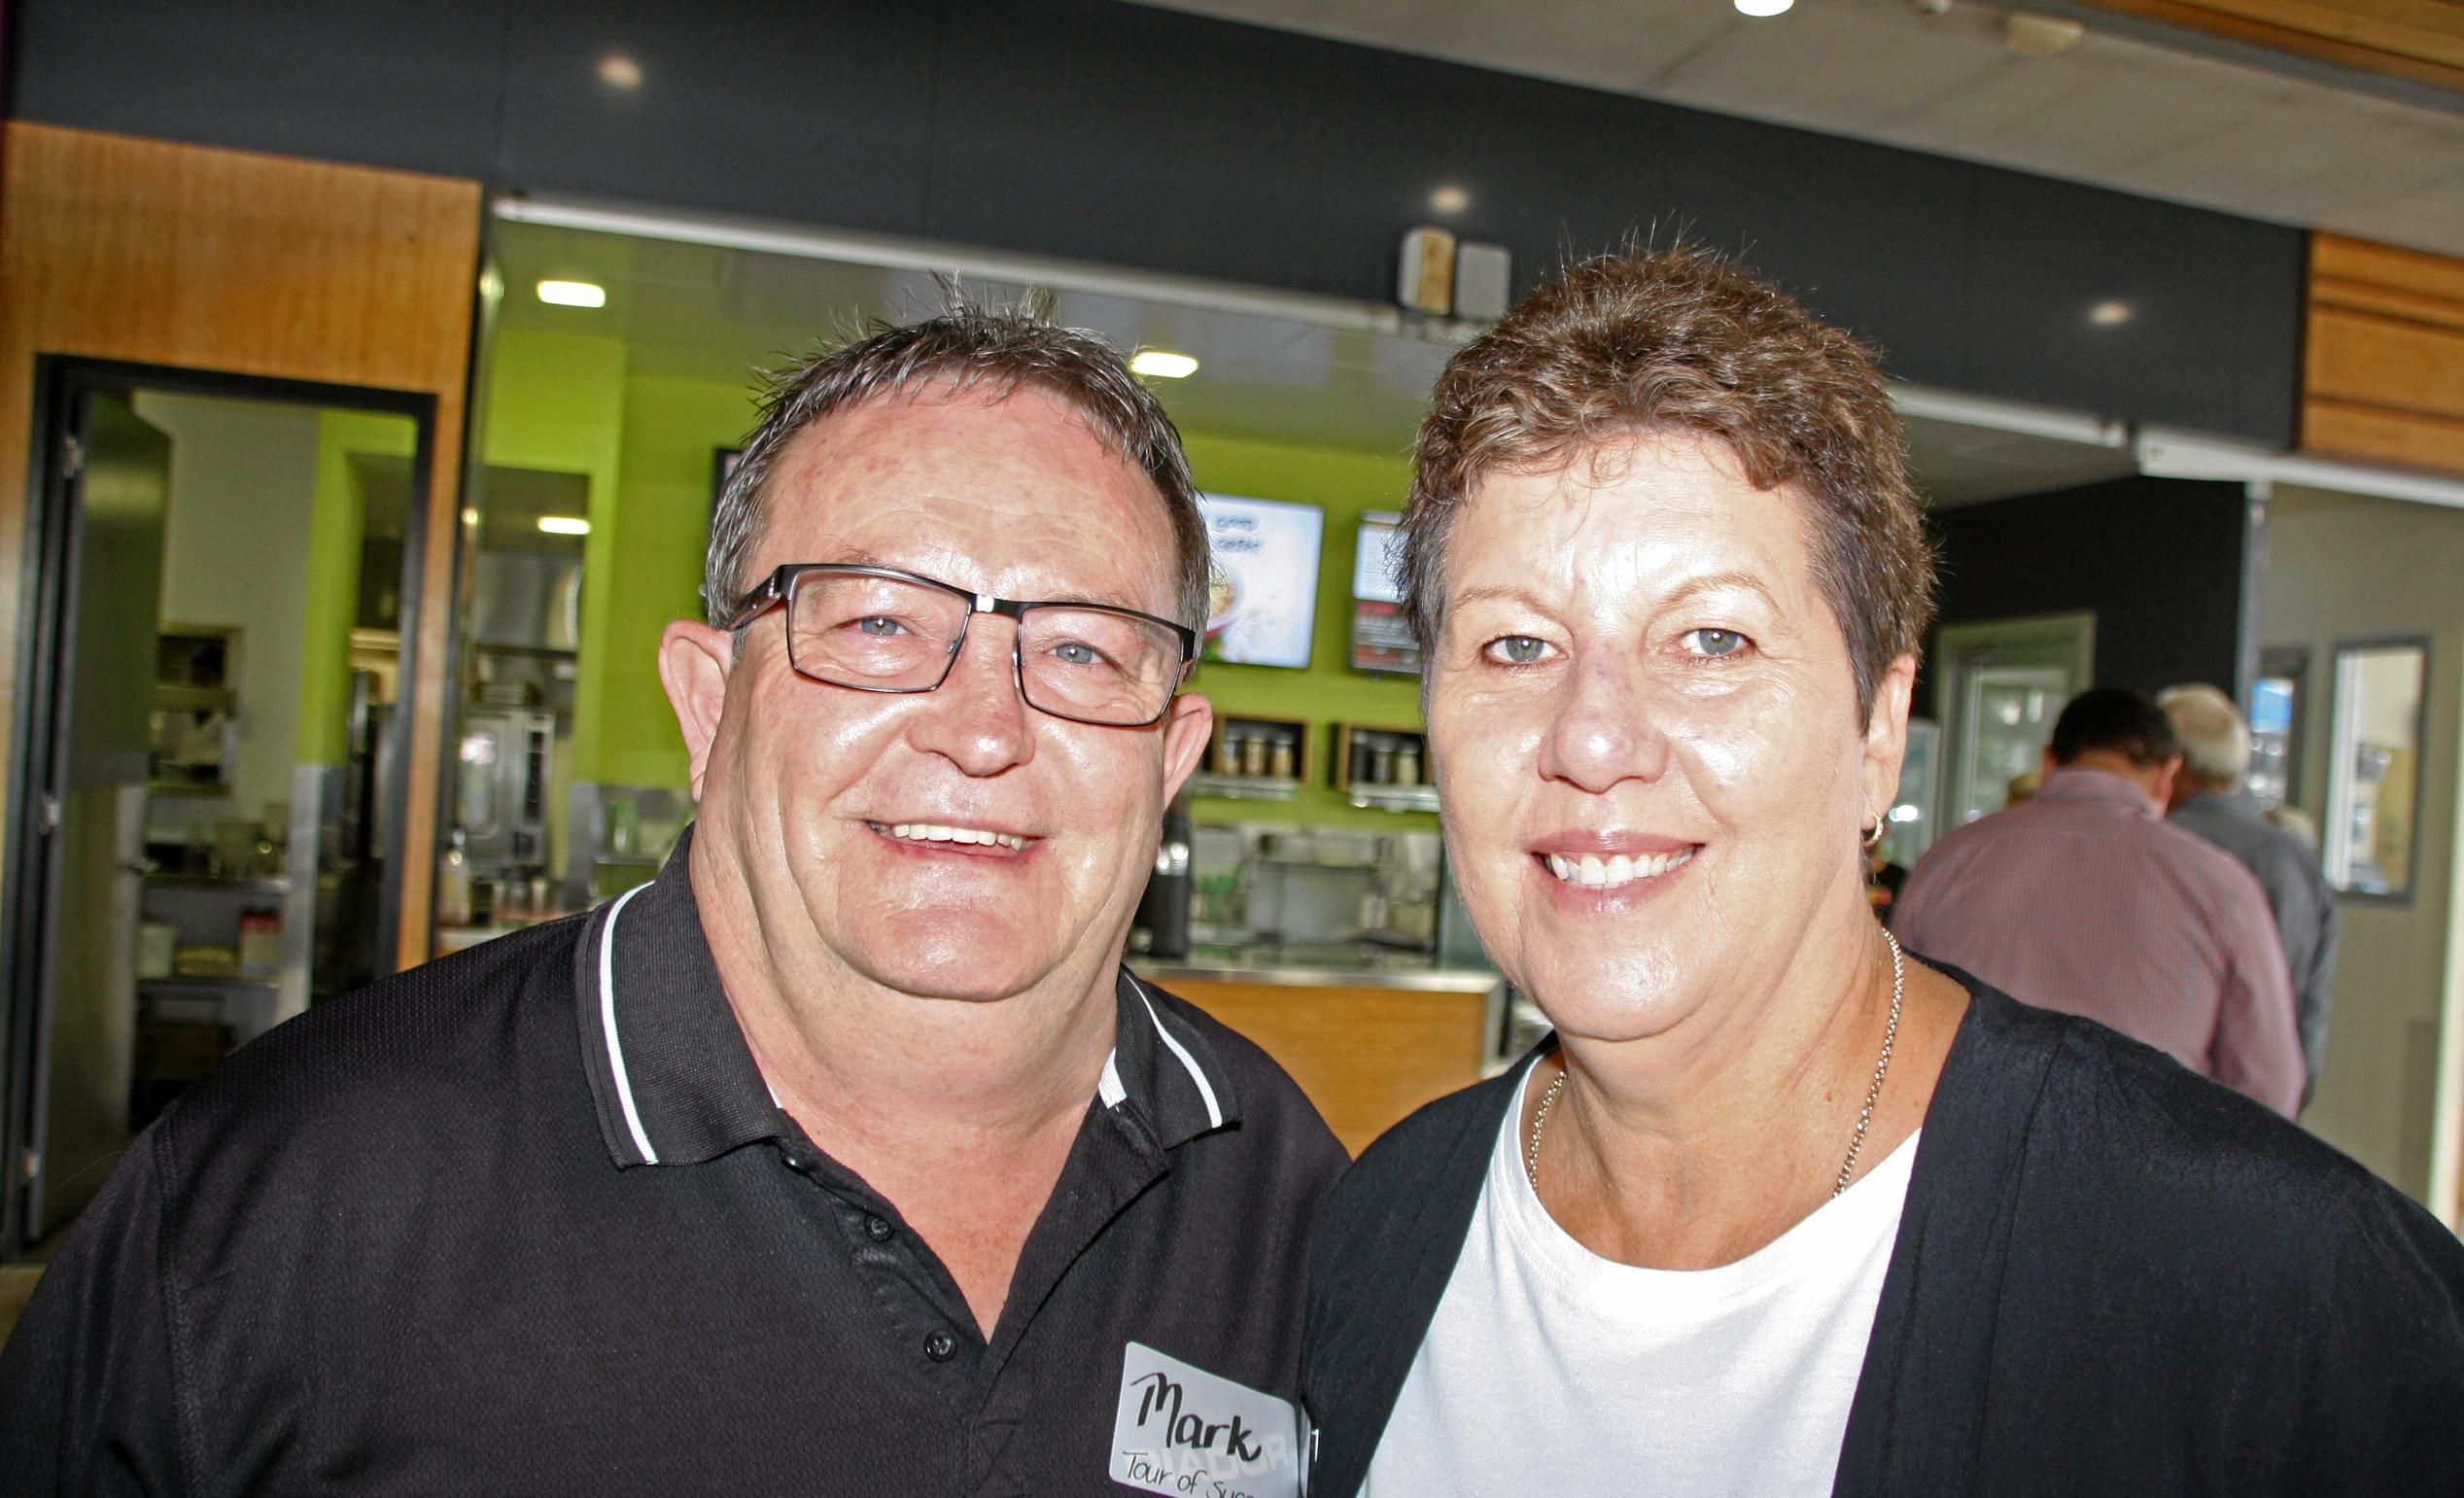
1517, 650
878, 624
1715, 642
1077, 652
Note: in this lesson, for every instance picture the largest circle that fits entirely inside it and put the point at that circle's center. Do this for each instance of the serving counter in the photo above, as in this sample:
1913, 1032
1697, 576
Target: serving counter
1369, 1044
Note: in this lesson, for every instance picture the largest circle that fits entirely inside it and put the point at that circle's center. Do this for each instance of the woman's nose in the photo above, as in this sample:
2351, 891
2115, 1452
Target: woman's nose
1603, 728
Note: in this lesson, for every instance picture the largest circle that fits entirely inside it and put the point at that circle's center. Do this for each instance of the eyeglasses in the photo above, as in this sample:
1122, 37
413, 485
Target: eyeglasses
877, 629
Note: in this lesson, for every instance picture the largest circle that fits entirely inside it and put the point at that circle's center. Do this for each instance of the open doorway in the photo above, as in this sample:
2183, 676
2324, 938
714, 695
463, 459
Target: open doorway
207, 811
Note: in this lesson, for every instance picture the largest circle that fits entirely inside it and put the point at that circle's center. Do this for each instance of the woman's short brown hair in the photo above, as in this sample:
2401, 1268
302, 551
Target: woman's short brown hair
1680, 340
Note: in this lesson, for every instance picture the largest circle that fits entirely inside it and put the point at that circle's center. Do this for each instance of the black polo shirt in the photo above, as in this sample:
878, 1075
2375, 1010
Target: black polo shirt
527, 1220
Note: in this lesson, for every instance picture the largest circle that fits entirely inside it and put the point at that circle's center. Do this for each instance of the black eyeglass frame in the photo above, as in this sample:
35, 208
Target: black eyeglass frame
773, 592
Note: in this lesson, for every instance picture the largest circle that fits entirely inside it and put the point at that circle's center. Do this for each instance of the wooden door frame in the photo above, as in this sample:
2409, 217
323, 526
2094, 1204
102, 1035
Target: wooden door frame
414, 801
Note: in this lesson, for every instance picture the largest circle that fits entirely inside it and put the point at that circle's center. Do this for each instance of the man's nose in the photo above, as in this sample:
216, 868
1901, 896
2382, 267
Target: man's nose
977, 719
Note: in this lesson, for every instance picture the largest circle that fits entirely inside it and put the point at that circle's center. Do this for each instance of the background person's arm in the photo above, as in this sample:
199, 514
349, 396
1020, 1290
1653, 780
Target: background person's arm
2310, 995
2258, 1046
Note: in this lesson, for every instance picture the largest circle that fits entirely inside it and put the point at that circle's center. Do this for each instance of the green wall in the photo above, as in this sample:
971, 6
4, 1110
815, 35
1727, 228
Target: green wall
1345, 483
570, 403
557, 402
335, 522
671, 432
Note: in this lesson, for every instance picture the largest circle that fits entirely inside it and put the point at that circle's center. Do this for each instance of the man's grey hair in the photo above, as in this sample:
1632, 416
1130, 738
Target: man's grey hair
968, 350
2215, 741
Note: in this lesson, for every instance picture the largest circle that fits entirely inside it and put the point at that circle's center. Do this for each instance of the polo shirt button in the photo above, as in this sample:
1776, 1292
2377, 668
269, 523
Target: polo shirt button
878, 1230
940, 1346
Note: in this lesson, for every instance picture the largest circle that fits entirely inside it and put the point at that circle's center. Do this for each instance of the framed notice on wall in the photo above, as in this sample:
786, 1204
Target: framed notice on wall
1380, 642
1264, 605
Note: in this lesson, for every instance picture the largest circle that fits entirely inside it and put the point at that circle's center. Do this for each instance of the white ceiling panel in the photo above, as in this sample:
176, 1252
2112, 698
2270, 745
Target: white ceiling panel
2172, 122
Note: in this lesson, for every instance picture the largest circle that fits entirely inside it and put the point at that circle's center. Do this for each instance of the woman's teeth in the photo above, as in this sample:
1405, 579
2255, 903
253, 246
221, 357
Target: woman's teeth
936, 832
1593, 872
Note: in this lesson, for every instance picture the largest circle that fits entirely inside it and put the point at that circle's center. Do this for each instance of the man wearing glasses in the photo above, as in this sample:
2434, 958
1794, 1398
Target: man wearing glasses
843, 1156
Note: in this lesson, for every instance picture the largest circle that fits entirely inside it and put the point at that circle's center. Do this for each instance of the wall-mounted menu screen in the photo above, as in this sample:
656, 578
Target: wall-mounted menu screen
1264, 605
1380, 642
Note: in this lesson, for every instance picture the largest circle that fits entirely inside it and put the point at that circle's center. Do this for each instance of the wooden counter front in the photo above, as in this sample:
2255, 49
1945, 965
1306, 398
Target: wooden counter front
1365, 1054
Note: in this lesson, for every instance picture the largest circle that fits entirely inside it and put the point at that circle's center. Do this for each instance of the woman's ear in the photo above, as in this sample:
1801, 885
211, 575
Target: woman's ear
1887, 734
694, 661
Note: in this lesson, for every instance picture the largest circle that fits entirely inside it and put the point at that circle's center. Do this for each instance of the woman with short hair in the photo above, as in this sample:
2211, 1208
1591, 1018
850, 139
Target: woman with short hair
1780, 1208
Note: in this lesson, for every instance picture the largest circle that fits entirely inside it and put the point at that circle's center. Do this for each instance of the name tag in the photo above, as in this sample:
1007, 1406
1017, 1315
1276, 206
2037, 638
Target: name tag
1183, 1430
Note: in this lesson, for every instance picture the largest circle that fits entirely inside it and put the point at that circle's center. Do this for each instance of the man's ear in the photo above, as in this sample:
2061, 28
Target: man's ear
1887, 734
1187, 728
694, 661
2161, 784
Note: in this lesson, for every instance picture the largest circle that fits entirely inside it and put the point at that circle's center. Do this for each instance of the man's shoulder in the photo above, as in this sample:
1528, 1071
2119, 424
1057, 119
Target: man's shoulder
2011, 827
1271, 1102
409, 1054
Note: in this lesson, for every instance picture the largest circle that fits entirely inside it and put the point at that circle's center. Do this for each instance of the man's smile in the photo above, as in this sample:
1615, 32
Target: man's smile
953, 836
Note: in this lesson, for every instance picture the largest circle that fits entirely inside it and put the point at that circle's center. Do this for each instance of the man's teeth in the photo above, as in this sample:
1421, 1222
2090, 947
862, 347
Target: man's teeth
936, 832
1593, 872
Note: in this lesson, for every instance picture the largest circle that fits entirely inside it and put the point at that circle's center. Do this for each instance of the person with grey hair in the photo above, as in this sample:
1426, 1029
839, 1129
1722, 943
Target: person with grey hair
842, 1156
2208, 800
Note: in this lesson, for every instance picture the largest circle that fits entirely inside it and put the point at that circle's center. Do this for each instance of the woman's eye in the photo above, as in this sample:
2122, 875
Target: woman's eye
1715, 642
1517, 650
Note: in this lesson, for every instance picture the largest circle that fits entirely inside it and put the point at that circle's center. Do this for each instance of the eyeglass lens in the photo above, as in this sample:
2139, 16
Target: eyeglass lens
885, 634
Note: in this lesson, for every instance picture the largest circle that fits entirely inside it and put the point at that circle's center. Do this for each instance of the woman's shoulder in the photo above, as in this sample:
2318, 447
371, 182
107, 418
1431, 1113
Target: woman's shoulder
1409, 1195
1440, 1143
2122, 1142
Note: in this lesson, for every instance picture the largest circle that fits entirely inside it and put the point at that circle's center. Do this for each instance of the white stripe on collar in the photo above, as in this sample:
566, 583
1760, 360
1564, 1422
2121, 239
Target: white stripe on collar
1214, 1110
1110, 1089
607, 1024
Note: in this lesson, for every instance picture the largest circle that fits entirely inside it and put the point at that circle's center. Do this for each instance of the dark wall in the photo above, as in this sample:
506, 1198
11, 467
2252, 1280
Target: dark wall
2161, 562
1129, 136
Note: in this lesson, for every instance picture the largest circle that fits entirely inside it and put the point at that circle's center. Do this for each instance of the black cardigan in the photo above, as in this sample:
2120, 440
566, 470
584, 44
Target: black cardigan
2112, 1276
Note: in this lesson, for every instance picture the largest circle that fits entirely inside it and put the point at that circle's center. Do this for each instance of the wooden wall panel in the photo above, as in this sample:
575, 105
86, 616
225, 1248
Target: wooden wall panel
119, 248
2382, 376
1367, 1057
2420, 40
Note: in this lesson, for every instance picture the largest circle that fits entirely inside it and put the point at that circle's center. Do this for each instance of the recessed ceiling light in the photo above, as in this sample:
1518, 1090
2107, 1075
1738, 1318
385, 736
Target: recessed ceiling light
1760, 7
573, 293
618, 71
2111, 314
1449, 198
1163, 365
564, 525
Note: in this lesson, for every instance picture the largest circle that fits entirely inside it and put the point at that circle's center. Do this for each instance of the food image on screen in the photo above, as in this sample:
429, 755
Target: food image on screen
1223, 601
1262, 606
1381, 643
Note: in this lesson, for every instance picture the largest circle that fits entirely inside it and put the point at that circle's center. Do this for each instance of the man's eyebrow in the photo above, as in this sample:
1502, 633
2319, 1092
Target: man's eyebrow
862, 558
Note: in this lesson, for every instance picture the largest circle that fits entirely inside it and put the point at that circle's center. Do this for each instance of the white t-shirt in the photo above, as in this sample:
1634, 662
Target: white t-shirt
1550, 1369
